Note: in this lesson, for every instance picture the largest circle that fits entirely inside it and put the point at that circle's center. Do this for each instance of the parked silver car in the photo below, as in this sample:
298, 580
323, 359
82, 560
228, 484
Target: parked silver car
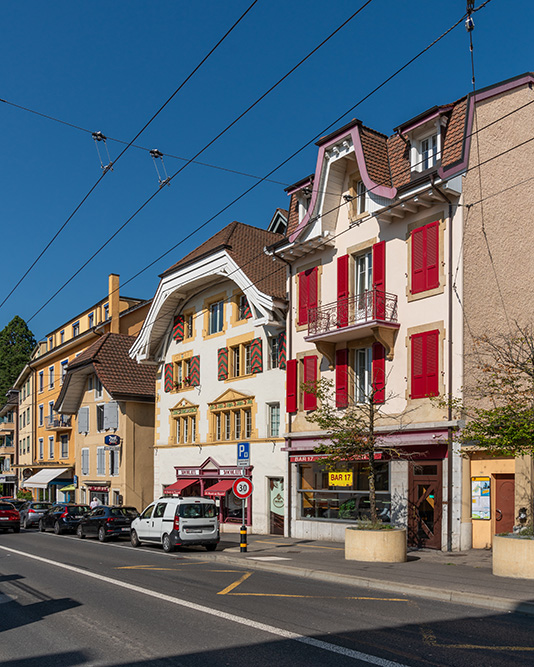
32, 511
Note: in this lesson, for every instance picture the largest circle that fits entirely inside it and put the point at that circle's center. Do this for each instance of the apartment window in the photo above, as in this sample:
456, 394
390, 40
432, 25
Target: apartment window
188, 325
231, 421
91, 320
274, 420
41, 414
75, 329
363, 364
241, 360
216, 318
186, 428
62, 336
41, 449
106, 311
243, 308
41, 381
100, 461
51, 377
114, 463
425, 257
182, 373
51, 447
85, 461
64, 365
27, 416
51, 411
100, 417
90, 382
50, 342
274, 352
425, 364
64, 440
307, 294
248, 423
98, 388
429, 151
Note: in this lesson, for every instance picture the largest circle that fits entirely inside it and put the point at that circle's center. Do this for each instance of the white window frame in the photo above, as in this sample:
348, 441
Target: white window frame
363, 373
41, 414
41, 449
273, 419
41, 382
51, 377
63, 367
216, 317
51, 447
99, 390
100, 410
274, 353
76, 329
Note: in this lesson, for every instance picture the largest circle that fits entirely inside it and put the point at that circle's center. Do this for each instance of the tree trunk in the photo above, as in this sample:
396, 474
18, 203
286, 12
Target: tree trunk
372, 463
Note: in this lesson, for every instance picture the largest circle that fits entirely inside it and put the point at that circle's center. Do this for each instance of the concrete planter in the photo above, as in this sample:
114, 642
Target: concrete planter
376, 546
513, 557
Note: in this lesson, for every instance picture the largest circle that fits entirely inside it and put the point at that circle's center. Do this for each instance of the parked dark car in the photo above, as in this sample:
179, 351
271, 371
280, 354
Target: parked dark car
63, 517
105, 522
9, 517
16, 502
32, 511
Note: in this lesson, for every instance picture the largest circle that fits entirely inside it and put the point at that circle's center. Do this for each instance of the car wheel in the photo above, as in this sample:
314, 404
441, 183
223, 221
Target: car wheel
102, 537
57, 528
16, 529
168, 546
79, 532
41, 526
134, 540
211, 547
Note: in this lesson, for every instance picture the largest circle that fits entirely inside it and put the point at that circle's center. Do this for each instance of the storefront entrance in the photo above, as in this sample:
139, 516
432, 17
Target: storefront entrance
425, 504
276, 505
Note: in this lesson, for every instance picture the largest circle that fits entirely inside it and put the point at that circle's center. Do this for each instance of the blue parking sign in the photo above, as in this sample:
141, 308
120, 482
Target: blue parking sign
243, 453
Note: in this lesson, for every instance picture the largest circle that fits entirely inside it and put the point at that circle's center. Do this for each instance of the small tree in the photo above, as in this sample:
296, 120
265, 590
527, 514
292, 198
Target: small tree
16, 345
352, 433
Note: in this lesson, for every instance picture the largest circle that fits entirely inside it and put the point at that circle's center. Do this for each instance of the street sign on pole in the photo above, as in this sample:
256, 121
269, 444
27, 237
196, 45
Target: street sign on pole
243, 454
242, 488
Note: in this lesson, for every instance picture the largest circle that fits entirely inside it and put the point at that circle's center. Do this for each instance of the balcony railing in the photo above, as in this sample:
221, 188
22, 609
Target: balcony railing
370, 306
58, 423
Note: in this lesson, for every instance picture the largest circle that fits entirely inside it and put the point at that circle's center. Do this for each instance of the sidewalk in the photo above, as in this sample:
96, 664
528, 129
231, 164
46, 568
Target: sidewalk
459, 577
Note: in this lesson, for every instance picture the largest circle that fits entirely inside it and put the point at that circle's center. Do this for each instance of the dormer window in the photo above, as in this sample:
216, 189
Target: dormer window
429, 151
426, 147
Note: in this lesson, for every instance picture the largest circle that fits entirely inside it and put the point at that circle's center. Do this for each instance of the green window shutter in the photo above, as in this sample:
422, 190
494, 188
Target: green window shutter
222, 363
178, 328
194, 371
256, 356
282, 351
169, 378
246, 311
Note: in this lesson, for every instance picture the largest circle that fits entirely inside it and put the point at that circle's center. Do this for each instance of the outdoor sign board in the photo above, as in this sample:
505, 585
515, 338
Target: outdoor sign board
243, 454
340, 478
112, 440
242, 488
480, 498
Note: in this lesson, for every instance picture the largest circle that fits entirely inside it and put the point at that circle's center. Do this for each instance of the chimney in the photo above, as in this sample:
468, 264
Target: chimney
113, 300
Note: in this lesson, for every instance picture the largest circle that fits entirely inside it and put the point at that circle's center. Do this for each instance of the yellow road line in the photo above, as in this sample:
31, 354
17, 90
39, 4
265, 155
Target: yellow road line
308, 546
319, 597
429, 638
231, 587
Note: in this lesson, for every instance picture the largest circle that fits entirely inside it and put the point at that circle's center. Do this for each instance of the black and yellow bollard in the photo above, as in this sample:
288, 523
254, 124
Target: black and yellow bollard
243, 543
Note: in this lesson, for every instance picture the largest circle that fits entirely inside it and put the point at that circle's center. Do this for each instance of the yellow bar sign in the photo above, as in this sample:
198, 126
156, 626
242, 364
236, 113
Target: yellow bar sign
339, 479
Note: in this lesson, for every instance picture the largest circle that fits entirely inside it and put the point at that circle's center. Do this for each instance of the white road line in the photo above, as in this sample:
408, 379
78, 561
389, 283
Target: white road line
278, 632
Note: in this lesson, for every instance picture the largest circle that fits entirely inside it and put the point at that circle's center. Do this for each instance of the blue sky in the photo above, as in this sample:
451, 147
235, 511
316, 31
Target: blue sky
109, 66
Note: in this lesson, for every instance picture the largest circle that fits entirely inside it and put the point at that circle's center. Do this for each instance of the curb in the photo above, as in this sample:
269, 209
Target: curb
426, 592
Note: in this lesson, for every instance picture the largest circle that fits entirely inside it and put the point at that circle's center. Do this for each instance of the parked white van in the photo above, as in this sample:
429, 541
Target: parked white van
174, 522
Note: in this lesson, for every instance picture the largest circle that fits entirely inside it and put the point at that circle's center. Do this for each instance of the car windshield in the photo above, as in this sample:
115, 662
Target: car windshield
6, 506
78, 509
124, 511
197, 511
40, 506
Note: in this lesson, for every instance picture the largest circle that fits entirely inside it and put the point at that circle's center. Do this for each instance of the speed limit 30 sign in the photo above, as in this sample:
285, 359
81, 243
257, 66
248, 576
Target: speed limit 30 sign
242, 487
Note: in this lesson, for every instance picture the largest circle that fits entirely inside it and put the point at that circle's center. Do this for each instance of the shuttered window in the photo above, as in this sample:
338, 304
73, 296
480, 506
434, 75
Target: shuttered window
178, 328
379, 373
291, 385
310, 378
425, 258
168, 381
194, 371
342, 291
222, 363
308, 294
379, 280
342, 384
425, 364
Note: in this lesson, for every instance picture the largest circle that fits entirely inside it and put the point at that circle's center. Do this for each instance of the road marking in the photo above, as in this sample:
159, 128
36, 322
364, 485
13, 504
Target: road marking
231, 587
241, 620
292, 546
429, 638
267, 558
319, 597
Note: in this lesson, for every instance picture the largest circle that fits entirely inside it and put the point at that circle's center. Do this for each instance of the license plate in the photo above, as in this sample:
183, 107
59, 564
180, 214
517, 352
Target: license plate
4, 518
193, 530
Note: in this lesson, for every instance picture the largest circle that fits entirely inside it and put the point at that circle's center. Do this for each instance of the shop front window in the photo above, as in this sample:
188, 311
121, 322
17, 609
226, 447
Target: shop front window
319, 500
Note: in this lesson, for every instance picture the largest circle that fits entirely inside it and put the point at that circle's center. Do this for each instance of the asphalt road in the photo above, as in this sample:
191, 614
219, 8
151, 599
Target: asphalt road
64, 601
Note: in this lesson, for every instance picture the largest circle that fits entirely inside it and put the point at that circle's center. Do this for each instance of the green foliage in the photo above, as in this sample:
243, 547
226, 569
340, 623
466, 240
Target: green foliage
372, 525
24, 494
16, 345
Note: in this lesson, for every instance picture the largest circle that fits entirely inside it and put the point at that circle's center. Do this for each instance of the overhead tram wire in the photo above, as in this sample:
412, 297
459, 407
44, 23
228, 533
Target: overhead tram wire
335, 122
130, 143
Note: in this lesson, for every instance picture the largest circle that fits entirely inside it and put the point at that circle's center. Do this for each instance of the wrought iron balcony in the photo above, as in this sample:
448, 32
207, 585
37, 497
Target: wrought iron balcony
58, 423
368, 314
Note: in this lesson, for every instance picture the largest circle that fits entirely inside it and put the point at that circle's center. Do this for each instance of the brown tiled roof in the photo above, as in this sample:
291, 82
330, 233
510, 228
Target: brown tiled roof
245, 245
375, 152
293, 216
117, 371
399, 160
454, 136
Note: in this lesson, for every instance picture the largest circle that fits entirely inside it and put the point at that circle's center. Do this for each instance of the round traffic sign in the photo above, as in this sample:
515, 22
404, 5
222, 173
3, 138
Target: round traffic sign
242, 487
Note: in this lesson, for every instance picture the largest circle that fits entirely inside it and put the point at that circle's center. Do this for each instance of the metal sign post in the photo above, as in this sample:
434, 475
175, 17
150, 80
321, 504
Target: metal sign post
242, 489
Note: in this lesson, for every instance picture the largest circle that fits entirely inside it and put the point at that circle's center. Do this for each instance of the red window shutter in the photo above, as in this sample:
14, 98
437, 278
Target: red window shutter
342, 291
168, 381
418, 260
222, 363
310, 377
256, 356
194, 371
282, 350
432, 362
379, 280
418, 378
432, 255
342, 383
303, 298
379, 373
178, 328
291, 385
312, 288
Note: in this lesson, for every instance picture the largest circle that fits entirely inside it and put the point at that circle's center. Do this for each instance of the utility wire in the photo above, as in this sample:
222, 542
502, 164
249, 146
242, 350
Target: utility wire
130, 143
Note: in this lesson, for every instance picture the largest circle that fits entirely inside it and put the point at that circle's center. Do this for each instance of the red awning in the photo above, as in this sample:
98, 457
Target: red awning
220, 489
178, 486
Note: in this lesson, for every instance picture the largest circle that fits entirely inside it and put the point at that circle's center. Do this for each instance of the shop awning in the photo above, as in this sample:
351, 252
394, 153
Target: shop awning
41, 479
69, 487
178, 486
220, 489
